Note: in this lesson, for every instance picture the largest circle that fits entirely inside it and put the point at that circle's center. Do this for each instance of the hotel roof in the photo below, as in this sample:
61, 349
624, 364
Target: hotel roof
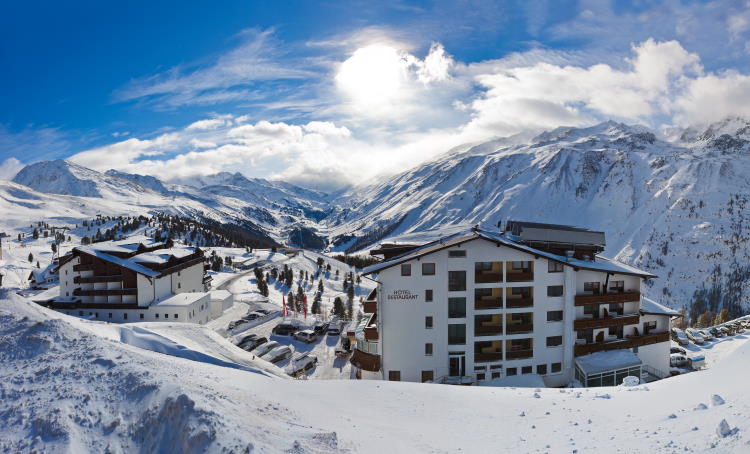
600, 264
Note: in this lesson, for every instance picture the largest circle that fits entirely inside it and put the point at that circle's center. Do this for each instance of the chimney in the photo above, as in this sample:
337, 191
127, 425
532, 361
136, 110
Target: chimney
569, 256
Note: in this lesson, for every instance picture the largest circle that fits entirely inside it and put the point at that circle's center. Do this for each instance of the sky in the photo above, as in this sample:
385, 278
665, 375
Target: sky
331, 94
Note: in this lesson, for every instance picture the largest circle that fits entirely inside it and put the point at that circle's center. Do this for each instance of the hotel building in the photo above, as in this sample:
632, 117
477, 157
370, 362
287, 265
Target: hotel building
535, 299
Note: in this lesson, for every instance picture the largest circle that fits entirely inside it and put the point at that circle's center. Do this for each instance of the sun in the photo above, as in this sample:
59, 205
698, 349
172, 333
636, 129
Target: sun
373, 75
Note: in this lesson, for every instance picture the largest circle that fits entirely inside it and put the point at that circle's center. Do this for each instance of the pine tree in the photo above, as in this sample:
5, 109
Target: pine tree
350, 292
290, 301
338, 307
37, 265
320, 286
315, 308
31, 257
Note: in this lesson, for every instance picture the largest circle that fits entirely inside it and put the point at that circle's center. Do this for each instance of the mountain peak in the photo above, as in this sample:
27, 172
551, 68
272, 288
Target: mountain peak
59, 176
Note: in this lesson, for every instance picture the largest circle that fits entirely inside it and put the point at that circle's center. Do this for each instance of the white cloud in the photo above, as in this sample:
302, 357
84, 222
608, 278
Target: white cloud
9, 168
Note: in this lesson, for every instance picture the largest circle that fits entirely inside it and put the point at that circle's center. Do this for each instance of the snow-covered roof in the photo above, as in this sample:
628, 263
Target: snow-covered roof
125, 263
220, 295
129, 244
595, 363
600, 264
649, 306
180, 299
160, 256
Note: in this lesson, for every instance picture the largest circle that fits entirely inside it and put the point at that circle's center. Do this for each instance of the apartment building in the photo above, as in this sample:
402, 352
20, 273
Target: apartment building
535, 299
136, 279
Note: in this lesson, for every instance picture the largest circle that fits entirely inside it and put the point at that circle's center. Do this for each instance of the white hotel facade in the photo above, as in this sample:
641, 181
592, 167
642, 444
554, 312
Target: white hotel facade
479, 306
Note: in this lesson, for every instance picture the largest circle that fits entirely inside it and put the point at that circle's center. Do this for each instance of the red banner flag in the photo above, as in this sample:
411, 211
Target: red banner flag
304, 304
283, 306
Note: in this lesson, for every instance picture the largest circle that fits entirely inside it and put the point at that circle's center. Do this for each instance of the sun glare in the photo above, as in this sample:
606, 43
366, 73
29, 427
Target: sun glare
373, 74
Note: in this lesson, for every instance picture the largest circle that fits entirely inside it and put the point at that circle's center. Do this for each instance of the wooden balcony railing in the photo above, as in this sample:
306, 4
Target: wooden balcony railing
515, 303
488, 303
487, 357
634, 341
106, 292
519, 354
94, 279
519, 328
594, 323
487, 278
522, 276
488, 330
365, 361
607, 298
370, 307
83, 267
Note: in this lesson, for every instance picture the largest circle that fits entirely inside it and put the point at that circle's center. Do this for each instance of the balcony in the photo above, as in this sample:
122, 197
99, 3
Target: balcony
365, 361
371, 329
605, 322
370, 305
95, 279
520, 328
519, 354
488, 303
630, 342
106, 292
83, 267
488, 357
519, 276
488, 330
515, 303
607, 298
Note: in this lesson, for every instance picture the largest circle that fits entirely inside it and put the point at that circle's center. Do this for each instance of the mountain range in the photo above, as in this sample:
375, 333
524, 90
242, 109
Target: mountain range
673, 202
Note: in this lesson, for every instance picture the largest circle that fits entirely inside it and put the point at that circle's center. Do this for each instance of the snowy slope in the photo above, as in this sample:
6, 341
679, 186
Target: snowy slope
65, 388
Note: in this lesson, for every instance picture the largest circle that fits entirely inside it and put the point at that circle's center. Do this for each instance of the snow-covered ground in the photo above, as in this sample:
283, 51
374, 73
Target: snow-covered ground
69, 385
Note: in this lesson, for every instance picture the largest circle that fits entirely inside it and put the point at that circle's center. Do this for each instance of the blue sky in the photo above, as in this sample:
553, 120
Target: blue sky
313, 92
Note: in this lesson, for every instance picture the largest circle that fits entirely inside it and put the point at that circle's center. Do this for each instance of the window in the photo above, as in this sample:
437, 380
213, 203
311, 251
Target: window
526, 370
178, 273
456, 334
554, 341
554, 316
591, 309
141, 316
511, 371
428, 349
554, 290
480, 377
617, 286
428, 269
166, 315
592, 287
457, 253
456, 307
179, 285
495, 375
175, 315
428, 322
394, 375
541, 369
156, 315
427, 375
125, 315
456, 281
428, 295
406, 269
554, 267
556, 367
649, 326
110, 315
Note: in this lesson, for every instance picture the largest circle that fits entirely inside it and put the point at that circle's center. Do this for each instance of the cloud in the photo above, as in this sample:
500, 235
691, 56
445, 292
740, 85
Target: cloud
9, 168
256, 59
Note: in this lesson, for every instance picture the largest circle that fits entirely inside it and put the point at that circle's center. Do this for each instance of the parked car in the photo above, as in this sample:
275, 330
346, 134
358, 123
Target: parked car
237, 324
320, 328
745, 324
738, 327
285, 328
244, 338
306, 335
678, 360
301, 362
334, 327
264, 311
253, 315
677, 350
252, 344
277, 354
679, 336
695, 336
706, 333
265, 348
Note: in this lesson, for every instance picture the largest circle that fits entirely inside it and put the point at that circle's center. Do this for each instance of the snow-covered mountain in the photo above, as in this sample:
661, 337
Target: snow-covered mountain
673, 202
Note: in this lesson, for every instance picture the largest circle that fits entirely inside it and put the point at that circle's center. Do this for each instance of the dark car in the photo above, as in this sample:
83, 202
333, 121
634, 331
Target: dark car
677, 350
252, 344
320, 328
236, 323
242, 339
285, 328
264, 311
